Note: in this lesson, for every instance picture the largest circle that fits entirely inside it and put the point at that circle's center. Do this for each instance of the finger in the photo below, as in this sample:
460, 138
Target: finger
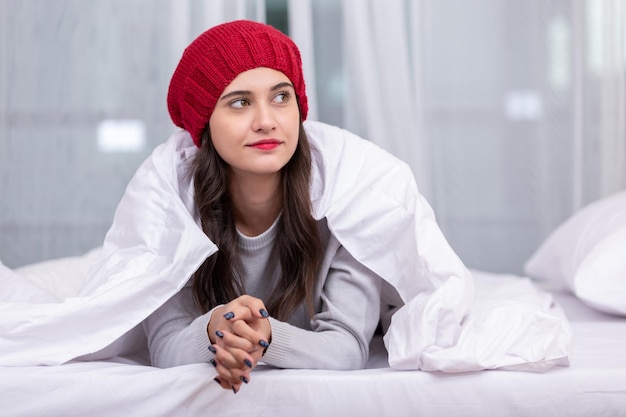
231, 340
252, 342
256, 338
244, 308
234, 358
233, 375
226, 385
230, 375
237, 318
235, 310
228, 380
236, 387
222, 318
256, 306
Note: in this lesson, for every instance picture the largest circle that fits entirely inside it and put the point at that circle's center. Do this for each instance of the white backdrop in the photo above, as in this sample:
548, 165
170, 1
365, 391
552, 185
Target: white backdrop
510, 113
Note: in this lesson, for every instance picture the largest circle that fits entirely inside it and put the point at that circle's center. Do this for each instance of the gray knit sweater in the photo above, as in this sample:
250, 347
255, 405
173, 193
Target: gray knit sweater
347, 306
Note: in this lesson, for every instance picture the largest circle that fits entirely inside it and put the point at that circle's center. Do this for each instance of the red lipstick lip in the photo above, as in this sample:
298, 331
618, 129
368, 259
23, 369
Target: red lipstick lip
265, 144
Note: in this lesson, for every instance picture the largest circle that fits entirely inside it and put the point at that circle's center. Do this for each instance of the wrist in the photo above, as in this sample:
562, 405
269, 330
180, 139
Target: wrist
210, 327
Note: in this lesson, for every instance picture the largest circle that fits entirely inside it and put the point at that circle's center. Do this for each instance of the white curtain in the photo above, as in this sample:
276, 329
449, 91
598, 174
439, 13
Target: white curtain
608, 18
71, 71
189, 18
511, 114
382, 95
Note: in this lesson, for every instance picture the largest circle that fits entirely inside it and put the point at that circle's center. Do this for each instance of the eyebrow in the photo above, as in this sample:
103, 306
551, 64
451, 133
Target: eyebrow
249, 93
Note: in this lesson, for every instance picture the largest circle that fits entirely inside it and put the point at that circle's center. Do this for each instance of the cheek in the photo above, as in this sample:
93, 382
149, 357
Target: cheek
219, 126
291, 124
224, 125
221, 136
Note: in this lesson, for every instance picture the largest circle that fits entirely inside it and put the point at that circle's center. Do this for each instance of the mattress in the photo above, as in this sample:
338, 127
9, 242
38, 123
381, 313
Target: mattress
593, 385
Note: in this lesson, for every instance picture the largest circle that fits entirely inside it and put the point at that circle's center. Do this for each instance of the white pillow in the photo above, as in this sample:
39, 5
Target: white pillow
61, 277
587, 253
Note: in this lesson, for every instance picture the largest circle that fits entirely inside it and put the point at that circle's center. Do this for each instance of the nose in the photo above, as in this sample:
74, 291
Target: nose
264, 120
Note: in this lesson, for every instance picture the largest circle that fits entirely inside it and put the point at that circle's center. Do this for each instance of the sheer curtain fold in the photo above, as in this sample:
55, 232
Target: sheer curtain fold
381, 98
189, 18
301, 31
510, 174
599, 117
613, 102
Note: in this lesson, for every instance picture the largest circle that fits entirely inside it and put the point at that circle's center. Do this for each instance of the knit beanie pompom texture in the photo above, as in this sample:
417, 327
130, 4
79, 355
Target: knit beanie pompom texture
216, 57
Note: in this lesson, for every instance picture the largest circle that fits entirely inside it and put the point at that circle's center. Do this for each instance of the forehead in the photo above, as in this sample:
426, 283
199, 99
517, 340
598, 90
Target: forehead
257, 79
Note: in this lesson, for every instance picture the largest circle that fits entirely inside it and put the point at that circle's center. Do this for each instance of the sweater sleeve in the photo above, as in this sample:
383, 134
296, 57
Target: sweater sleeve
342, 327
338, 337
177, 333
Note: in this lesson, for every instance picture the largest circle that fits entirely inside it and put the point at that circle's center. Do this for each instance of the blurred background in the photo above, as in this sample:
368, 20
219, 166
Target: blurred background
511, 113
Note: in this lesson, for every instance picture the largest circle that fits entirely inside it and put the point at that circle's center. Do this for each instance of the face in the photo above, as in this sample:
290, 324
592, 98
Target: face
256, 122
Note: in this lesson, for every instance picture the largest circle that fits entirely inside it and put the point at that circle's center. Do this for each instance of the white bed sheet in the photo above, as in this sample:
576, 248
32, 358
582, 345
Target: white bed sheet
594, 385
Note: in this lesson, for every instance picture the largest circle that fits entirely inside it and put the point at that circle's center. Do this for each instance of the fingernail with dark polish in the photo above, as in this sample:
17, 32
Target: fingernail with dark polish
244, 379
234, 390
247, 363
229, 315
212, 349
264, 343
264, 313
213, 362
219, 334
216, 379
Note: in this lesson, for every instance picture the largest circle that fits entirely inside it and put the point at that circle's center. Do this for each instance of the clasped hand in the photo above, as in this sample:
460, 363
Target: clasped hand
240, 333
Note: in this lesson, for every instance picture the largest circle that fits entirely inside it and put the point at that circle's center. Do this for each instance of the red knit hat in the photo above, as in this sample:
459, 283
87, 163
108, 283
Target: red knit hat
215, 58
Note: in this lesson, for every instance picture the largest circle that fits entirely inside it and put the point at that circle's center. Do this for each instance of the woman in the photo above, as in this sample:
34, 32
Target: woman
283, 287
251, 178
251, 235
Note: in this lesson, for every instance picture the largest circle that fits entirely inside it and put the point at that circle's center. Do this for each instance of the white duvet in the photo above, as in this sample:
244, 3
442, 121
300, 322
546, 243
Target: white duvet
373, 207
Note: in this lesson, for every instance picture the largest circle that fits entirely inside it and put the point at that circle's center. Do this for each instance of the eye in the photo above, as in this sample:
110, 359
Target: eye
281, 97
239, 103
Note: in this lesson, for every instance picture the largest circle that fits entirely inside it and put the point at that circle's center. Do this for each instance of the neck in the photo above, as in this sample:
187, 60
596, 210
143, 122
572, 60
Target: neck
257, 202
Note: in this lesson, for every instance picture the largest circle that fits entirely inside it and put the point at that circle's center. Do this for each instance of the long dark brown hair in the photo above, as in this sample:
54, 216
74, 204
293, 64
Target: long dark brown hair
219, 279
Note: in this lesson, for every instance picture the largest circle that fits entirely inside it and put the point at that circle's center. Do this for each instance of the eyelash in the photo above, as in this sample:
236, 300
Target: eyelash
235, 103
285, 95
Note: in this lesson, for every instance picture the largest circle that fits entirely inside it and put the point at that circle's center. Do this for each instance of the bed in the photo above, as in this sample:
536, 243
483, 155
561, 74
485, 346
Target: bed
593, 382
593, 385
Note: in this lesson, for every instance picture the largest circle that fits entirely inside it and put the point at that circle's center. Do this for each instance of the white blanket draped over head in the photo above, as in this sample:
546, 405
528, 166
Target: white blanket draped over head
372, 206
